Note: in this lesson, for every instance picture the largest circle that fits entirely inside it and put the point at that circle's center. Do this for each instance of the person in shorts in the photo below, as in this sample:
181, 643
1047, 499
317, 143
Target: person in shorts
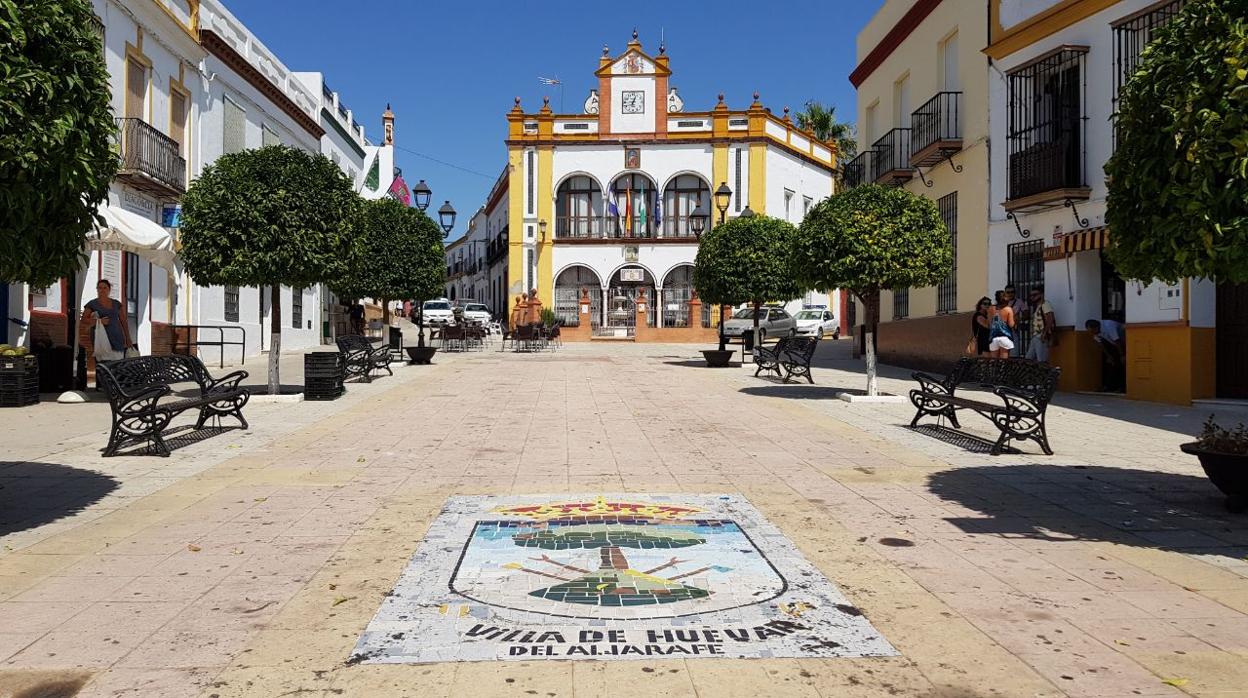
1001, 328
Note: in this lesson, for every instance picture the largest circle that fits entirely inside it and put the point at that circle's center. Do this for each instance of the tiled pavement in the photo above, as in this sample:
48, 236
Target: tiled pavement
249, 563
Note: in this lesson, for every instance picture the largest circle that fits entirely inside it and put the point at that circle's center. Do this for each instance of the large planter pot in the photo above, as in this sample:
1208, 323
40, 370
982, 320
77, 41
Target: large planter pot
718, 359
420, 355
1227, 471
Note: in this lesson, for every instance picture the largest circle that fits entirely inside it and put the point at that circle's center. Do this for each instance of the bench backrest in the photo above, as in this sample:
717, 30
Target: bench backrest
130, 376
1038, 379
802, 346
353, 342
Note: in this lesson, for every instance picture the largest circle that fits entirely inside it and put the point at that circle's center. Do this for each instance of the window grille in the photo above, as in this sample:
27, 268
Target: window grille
738, 193
901, 303
296, 308
947, 290
1025, 262
1131, 35
231, 304
1046, 122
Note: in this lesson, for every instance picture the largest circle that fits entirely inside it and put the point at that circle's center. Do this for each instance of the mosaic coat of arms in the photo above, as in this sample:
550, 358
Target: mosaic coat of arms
611, 577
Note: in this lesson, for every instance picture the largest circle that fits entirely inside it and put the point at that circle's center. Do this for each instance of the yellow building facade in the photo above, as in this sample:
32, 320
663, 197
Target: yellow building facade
599, 202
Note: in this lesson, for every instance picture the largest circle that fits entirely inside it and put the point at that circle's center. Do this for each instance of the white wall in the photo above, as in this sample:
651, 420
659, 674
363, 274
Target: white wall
787, 171
634, 123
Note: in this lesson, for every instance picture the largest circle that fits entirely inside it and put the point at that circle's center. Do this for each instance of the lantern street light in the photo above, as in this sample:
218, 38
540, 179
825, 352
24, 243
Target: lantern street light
698, 219
446, 217
748, 212
723, 195
421, 192
541, 229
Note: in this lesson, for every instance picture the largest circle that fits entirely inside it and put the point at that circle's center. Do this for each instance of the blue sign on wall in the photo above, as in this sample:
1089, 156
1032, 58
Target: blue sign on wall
171, 216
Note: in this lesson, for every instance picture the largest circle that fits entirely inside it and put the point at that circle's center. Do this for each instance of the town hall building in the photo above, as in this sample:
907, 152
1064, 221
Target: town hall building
600, 201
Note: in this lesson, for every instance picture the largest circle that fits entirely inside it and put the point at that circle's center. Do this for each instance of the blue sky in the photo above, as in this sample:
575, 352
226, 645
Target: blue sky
451, 69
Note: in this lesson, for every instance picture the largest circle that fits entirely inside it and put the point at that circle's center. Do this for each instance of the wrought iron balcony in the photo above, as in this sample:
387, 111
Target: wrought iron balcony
891, 157
857, 171
150, 160
936, 129
1045, 130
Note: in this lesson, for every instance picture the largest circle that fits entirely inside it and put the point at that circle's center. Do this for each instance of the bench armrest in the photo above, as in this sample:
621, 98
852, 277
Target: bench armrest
226, 382
142, 400
1017, 400
930, 384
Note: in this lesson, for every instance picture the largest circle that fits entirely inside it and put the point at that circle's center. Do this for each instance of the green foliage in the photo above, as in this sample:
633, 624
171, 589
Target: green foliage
275, 215
821, 121
1178, 193
549, 319
872, 237
745, 260
56, 159
396, 254
1218, 439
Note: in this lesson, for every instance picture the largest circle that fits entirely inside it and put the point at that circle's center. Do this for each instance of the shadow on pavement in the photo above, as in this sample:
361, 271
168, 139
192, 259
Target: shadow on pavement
953, 437
1141, 508
700, 363
34, 494
794, 391
181, 437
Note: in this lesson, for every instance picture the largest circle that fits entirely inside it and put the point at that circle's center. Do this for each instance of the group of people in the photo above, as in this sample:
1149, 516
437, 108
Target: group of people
996, 323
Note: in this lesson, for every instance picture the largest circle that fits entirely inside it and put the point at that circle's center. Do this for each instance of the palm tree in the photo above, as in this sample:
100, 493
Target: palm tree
821, 121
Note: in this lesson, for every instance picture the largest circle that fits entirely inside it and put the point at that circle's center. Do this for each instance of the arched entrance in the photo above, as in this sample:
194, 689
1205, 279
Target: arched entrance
626, 287
675, 296
568, 287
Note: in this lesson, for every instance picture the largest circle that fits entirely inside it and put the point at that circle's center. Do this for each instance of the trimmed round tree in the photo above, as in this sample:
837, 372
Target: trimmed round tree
1178, 189
396, 254
56, 159
745, 260
275, 216
868, 238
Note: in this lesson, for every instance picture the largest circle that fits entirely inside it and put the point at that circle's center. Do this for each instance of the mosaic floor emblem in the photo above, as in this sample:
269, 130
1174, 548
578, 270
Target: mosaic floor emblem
611, 577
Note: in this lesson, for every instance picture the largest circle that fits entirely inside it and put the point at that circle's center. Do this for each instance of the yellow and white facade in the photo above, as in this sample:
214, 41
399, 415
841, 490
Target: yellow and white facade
922, 88
600, 200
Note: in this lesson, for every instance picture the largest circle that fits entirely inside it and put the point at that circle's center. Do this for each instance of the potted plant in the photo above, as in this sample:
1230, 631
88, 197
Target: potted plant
1223, 453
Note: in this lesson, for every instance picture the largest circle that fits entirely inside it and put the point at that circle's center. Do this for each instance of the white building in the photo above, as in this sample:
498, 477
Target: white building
1056, 70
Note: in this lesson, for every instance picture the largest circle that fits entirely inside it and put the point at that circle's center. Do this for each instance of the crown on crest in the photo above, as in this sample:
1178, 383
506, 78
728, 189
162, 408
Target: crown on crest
599, 507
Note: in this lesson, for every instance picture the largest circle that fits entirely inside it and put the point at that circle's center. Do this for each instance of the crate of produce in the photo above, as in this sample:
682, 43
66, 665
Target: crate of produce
19, 377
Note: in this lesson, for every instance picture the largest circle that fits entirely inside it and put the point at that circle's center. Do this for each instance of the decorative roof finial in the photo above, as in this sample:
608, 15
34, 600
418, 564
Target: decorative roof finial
517, 101
662, 48
721, 97
545, 101
606, 50
756, 96
634, 33
786, 112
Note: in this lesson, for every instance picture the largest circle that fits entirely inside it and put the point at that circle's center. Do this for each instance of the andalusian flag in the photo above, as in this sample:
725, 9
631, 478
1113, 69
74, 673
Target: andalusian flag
641, 209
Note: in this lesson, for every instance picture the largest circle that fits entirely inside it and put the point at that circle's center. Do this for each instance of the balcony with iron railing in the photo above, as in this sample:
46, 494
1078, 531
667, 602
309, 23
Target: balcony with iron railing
936, 129
1046, 130
595, 227
890, 157
150, 160
858, 170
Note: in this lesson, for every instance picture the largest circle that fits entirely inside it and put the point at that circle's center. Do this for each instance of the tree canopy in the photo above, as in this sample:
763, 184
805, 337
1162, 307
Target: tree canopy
274, 215
821, 121
396, 254
56, 159
872, 237
1178, 189
745, 260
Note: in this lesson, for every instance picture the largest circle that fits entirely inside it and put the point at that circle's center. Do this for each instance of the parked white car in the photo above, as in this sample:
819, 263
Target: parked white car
477, 312
772, 322
817, 322
437, 312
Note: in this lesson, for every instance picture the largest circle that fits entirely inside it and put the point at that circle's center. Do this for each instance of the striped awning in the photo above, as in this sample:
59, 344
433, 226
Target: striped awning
1090, 239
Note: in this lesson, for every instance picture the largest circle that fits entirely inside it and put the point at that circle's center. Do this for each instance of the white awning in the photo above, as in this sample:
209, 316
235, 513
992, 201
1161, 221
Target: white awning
130, 232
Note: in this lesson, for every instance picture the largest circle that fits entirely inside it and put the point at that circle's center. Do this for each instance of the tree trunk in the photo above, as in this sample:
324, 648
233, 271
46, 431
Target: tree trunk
275, 338
872, 303
723, 315
385, 311
757, 339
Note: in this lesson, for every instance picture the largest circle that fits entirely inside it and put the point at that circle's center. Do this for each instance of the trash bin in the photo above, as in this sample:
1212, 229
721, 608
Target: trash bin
747, 341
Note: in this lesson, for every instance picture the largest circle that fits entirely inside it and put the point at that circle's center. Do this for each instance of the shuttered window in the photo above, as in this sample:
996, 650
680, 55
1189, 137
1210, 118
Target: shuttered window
234, 136
177, 119
136, 89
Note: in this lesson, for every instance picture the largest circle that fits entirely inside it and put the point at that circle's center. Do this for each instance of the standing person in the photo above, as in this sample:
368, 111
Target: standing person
980, 323
1022, 318
1042, 326
1001, 329
111, 334
357, 317
1112, 338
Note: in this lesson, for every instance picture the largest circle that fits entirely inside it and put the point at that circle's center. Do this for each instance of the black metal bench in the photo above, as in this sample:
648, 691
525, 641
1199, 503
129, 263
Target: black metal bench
137, 389
1024, 388
787, 358
362, 357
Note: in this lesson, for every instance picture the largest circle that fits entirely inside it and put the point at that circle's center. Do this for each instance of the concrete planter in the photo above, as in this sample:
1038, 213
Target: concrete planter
1227, 471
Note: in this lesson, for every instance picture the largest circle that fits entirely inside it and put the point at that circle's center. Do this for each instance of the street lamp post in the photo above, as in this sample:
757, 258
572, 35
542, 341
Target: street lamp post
723, 196
698, 219
421, 193
446, 217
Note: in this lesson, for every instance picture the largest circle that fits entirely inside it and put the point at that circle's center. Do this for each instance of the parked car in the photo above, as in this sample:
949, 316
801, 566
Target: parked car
817, 322
478, 312
772, 322
437, 312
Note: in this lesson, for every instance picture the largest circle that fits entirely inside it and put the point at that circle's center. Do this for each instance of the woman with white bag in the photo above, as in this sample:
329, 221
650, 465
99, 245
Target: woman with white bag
111, 333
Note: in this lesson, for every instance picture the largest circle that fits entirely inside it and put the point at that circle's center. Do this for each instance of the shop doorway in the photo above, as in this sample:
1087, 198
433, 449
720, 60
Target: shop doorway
1113, 293
1232, 341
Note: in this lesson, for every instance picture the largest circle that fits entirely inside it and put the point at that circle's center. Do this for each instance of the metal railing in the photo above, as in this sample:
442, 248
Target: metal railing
1045, 131
858, 170
603, 228
936, 121
148, 152
891, 155
221, 341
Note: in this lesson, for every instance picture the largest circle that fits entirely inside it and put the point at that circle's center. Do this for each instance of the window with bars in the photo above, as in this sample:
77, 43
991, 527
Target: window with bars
1131, 35
532, 179
296, 308
739, 193
1046, 122
231, 304
1025, 262
947, 290
901, 303
131, 262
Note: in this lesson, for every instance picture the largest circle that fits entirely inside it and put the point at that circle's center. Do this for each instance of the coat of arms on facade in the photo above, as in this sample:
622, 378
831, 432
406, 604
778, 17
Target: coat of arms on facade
591, 102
